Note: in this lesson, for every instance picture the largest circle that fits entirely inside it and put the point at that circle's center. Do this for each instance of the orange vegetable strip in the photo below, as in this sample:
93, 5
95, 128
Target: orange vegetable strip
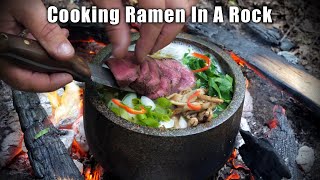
192, 106
127, 108
205, 58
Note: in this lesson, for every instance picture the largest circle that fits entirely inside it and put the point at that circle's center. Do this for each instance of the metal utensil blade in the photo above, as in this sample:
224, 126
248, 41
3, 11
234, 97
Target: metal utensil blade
104, 76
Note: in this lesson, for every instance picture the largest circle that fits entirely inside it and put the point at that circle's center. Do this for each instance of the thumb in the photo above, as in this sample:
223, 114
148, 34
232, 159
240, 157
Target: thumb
50, 35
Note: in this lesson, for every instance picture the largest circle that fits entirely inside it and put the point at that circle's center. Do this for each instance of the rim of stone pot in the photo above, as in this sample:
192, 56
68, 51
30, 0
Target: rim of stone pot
235, 104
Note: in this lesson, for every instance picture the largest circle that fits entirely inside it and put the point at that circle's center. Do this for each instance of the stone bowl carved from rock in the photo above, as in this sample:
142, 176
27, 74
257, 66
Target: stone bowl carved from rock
130, 151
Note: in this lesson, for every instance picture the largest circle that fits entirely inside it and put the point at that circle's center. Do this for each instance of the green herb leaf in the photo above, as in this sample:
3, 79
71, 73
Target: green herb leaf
214, 85
222, 106
202, 76
225, 83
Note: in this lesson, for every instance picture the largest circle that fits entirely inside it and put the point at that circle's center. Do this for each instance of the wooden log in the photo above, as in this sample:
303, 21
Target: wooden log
269, 35
301, 85
47, 154
262, 159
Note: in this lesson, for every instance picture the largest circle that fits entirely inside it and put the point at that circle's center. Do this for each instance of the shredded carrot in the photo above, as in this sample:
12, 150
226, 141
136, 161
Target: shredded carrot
192, 106
127, 108
205, 58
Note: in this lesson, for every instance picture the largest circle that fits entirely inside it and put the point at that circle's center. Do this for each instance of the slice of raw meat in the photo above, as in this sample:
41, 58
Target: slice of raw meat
187, 80
187, 77
163, 89
154, 78
154, 83
139, 85
169, 73
177, 67
124, 70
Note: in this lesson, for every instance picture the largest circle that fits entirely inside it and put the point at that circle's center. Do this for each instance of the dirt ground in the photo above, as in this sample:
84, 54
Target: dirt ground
299, 21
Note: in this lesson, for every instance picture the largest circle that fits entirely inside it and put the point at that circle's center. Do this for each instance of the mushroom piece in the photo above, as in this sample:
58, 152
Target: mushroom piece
178, 110
175, 97
193, 121
207, 103
210, 98
176, 122
187, 95
190, 114
178, 103
207, 115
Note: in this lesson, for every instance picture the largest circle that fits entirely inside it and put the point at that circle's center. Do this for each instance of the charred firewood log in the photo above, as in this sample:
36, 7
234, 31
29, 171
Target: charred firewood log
262, 159
47, 154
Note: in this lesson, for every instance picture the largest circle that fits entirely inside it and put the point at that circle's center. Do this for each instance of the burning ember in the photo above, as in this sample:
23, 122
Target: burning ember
233, 175
237, 168
90, 41
237, 59
273, 123
88, 48
242, 62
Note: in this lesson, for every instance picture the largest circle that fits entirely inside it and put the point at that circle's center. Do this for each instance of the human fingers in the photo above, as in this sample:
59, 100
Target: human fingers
119, 35
149, 32
170, 31
167, 35
26, 80
33, 16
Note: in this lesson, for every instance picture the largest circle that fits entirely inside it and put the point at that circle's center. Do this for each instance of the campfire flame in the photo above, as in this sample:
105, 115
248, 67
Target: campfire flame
93, 174
68, 105
67, 112
76, 149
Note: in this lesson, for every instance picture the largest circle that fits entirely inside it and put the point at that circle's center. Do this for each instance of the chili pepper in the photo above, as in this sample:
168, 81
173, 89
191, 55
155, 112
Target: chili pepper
127, 108
205, 58
192, 106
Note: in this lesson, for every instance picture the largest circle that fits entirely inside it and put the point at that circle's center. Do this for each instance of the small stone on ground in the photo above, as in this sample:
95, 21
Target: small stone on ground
305, 158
